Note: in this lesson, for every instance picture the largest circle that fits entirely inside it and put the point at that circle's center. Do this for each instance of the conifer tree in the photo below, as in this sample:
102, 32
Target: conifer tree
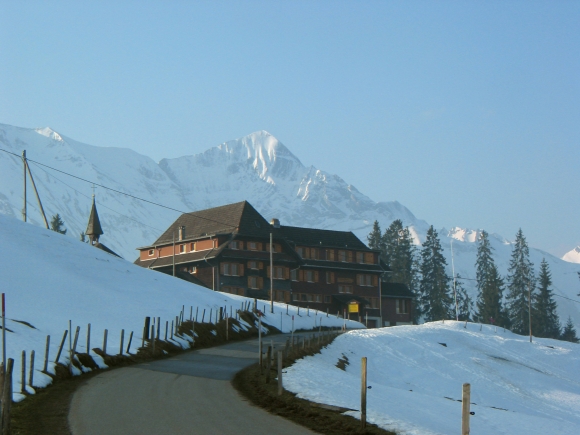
57, 224
375, 239
401, 255
569, 332
464, 301
436, 299
520, 283
489, 285
545, 321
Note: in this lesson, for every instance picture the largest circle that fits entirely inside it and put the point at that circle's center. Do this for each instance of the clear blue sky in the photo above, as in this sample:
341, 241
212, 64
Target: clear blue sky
466, 112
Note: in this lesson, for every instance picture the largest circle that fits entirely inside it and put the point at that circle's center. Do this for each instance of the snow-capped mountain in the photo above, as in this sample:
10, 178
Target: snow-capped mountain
572, 256
257, 168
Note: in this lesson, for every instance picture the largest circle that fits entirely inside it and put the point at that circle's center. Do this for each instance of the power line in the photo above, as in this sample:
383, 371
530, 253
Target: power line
123, 193
564, 297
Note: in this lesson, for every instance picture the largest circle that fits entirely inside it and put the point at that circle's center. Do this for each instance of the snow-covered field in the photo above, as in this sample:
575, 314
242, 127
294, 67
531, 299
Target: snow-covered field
50, 279
517, 388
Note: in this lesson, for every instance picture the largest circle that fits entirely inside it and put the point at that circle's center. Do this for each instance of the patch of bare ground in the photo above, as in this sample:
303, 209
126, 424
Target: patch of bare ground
261, 388
46, 412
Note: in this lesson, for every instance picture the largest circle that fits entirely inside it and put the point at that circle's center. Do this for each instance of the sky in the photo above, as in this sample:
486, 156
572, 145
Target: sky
465, 112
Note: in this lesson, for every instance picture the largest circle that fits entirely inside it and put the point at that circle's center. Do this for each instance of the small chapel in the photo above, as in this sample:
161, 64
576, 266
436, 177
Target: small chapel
95, 231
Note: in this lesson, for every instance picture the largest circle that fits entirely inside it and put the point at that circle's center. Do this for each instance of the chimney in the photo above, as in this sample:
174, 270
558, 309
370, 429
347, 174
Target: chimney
181, 233
275, 223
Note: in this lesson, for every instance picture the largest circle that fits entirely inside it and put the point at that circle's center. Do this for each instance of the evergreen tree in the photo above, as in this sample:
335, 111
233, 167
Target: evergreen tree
401, 255
375, 239
545, 321
436, 298
57, 224
489, 285
464, 301
569, 333
520, 283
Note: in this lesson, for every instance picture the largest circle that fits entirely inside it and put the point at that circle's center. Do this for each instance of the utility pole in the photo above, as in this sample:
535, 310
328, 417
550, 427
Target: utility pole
173, 253
271, 277
24, 173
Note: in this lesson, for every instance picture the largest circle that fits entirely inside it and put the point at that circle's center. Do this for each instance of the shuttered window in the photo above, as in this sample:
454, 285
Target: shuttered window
232, 269
329, 277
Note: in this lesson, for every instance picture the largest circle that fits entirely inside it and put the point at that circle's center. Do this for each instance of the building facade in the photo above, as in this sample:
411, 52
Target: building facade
227, 249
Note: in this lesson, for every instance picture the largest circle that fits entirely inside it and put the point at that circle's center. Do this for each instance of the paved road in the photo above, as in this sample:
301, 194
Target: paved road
187, 394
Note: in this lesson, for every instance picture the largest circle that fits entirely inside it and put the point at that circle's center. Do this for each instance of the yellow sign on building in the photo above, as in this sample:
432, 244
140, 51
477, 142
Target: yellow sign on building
353, 307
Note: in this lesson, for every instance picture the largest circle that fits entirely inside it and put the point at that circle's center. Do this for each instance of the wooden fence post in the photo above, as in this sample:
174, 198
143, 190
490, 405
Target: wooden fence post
23, 373
210, 311
89, 339
74, 348
465, 409
45, 368
363, 393
158, 326
61, 346
268, 364
147, 324
122, 340
171, 330
130, 339
196, 308
153, 339
105, 342
7, 397
31, 373
227, 329
203, 316
166, 327
280, 385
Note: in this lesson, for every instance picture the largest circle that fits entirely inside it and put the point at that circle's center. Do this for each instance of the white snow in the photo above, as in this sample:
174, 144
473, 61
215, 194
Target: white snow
572, 256
50, 279
517, 388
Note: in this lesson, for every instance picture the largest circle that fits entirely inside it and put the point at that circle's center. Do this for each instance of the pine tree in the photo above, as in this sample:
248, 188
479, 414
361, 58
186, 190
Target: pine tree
57, 224
401, 255
436, 299
545, 321
464, 301
569, 332
375, 239
489, 285
520, 283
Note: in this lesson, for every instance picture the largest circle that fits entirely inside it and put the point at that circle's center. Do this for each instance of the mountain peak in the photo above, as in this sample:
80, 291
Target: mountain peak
572, 256
49, 132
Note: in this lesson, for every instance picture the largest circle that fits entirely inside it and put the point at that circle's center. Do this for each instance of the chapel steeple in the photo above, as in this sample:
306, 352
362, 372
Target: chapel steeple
94, 230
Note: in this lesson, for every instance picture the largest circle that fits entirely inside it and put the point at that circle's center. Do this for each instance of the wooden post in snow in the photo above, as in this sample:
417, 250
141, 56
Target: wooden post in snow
7, 397
31, 372
130, 339
122, 340
363, 393
61, 346
166, 327
268, 364
153, 339
23, 373
465, 409
280, 384
105, 342
45, 367
89, 338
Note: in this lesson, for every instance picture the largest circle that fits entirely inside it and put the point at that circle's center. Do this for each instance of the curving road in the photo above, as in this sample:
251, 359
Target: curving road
187, 394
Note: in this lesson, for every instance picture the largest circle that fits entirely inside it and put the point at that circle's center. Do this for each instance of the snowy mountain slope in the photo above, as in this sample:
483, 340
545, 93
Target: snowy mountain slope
257, 168
50, 279
572, 256
517, 387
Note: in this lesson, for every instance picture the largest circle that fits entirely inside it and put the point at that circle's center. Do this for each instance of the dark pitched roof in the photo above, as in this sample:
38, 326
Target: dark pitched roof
395, 290
240, 218
326, 238
94, 226
106, 249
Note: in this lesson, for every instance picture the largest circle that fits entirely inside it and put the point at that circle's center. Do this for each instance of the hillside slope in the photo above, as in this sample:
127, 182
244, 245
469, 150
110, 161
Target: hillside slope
416, 374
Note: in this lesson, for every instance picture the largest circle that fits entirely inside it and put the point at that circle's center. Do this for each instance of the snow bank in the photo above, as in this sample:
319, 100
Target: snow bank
417, 372
50, 279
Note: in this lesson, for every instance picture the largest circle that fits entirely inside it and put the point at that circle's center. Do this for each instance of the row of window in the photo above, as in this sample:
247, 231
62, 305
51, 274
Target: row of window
184, 248
254, 246
336, 255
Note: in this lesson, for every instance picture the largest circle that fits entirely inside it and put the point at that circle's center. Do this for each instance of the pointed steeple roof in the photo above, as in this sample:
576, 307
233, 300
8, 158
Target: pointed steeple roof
94, 229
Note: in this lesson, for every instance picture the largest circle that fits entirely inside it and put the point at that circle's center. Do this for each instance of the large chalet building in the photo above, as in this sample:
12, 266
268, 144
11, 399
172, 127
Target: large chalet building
227, 249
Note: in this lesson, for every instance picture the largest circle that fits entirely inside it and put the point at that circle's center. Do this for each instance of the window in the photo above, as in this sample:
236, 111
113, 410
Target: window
235, 244
402, 306
309, 276
192, 270
303, 297
374, 302
318, 298
295, 297
181, 249
359, 257
369, 258
192, 247
253, 246
277, 247
342, 256
327, 299
365, 280
300, 251
232, 269
329, 277
344, 288
311, 253
151, 252
294, 274
255, 282
255, 265
280, 272
330, 254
